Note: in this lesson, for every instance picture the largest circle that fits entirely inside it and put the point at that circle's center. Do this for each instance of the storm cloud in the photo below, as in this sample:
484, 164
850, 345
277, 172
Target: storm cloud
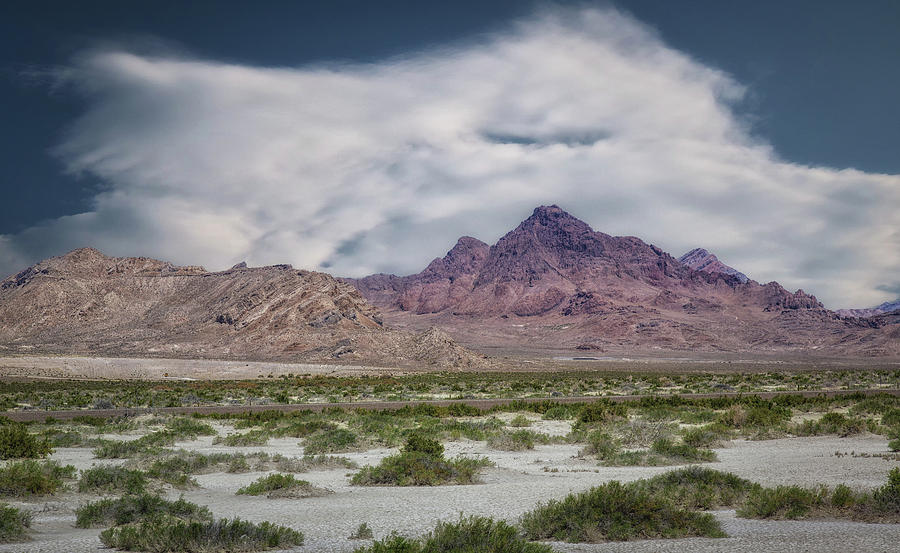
362, 168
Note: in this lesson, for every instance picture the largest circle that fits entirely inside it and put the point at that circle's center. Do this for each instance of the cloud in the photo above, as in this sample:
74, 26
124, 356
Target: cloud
380, 167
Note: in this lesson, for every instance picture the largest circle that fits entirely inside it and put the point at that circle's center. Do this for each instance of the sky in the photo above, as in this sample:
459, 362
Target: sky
360, 137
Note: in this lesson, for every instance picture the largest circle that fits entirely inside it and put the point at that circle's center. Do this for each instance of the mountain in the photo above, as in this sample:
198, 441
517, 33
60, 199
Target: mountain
555, 283
886, 307
86, 302
701, 260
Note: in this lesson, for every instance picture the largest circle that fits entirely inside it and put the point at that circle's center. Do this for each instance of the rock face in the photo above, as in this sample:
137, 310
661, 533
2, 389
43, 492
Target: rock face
701, 260
886, 307
555, 283
87, 302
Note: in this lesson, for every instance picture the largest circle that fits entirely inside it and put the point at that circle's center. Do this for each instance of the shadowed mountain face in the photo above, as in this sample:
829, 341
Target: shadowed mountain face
553, 282
87, 302
701, 260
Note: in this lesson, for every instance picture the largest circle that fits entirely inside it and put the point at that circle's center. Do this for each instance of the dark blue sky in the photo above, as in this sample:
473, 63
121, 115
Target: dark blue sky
823, 77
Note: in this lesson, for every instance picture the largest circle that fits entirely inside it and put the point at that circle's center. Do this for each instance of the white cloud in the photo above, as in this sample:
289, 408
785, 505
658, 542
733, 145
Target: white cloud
365, 168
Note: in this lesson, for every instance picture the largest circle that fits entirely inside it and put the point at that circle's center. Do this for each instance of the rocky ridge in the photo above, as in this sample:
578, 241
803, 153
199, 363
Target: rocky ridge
86, 302
555, 283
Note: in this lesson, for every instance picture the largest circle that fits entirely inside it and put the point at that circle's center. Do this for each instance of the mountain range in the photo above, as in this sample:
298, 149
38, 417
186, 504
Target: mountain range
552, 284
555, 283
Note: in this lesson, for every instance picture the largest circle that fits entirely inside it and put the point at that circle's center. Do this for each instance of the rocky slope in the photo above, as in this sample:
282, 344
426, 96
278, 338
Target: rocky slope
87, 302
702, 260
555, 283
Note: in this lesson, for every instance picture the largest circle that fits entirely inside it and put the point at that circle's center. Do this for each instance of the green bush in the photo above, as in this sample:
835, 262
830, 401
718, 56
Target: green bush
519, 440
26, 478
601, 445
468, 535
151, 443
420, 463
710, 435
185, 427
782, 502
700, 488
560, 413
14, 524
520, 421
17, 443
282, 485
108, 479
601, 411
131, 508
362, 532
164, 535
887, 497
681, 452
335, 440
616, 512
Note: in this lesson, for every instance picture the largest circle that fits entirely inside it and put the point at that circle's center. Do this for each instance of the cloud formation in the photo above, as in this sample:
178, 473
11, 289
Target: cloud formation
357, 169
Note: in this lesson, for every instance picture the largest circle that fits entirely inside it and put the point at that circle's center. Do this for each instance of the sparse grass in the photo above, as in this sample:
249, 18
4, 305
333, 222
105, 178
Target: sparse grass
14, 524
336, 440
17, 443
468, 535
362, 532
110, 479
420, 463
151, 443
792, 502
282, 485
616, 512
29, 478
131, 508
518, 440
831, 423
166, 534
520, 421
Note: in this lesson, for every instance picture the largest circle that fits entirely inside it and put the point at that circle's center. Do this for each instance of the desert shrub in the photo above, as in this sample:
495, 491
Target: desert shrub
615, 512
186, 427
14, 524
560, 413
642, 433
362, 532
252, 438
601, 411
469, 535
335, 440
131, 508
698, 487
163, 534
151, 443
887, 497
843, 496
25, 478
601, 445
894, 445
831, 423
710, 435
782, 502
520, 421
420, 463
681, 452
17, 443
891, 417
67, 438
519, 440
755, 414
419, 443
107, 479
312, 462
282, 485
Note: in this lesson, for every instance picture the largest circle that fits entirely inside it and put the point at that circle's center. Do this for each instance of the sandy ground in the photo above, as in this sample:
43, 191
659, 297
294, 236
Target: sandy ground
518, 482
112, 368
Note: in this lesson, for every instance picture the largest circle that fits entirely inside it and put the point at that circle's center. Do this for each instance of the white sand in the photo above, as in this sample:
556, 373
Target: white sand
515, 486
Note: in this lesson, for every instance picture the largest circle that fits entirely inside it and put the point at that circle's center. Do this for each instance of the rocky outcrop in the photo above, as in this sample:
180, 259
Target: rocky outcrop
87, 302
702, 260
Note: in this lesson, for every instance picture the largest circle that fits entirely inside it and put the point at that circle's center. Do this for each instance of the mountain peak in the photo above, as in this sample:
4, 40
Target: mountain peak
700, 259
